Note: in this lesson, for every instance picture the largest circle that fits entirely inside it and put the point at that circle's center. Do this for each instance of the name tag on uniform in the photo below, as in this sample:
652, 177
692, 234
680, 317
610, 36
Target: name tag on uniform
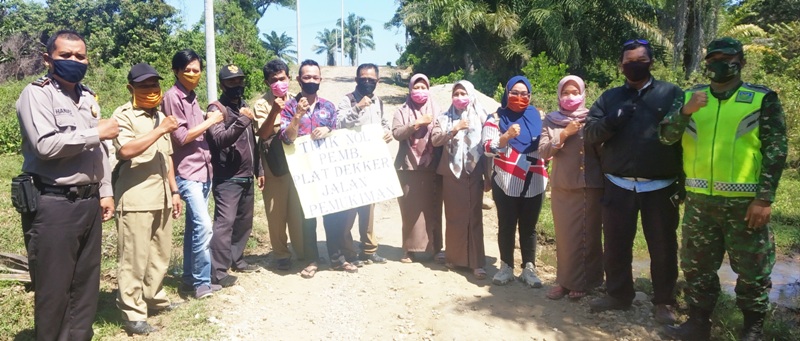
745, 97
62, 111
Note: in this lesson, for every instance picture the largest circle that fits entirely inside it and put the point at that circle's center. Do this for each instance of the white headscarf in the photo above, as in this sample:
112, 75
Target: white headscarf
463, 155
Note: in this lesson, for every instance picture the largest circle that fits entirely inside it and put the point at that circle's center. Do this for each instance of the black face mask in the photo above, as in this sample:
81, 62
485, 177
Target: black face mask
69, 70
235, 92
721, 71
309, 88
636, 71
366, 88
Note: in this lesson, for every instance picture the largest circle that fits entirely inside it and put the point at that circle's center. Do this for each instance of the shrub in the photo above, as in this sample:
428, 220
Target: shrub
544, 75
448, 78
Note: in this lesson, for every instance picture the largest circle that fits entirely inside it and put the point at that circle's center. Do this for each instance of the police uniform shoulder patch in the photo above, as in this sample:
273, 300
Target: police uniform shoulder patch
745, 96
697, 87
756, 88
42, 81
86, 88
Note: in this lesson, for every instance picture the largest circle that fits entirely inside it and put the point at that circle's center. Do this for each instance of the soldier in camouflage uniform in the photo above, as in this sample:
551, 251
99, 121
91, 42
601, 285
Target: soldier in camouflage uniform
734, 140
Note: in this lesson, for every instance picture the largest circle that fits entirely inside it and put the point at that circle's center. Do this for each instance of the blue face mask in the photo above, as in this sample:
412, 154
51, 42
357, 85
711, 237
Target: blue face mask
69, 70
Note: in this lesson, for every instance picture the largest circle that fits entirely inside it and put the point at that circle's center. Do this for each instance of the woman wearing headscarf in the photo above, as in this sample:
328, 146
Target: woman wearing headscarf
577, 190
462, 170
416, 161
518, 178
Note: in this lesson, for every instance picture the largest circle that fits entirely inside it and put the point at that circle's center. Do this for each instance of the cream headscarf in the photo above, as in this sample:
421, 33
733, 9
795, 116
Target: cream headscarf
465, 147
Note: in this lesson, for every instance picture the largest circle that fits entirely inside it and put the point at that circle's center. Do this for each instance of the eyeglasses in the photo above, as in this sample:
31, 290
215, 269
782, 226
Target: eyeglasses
519, 94
368, 80
637, 41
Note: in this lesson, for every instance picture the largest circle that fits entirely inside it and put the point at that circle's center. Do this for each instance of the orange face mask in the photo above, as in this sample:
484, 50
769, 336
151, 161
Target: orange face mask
518, 104
147, 99
189, 80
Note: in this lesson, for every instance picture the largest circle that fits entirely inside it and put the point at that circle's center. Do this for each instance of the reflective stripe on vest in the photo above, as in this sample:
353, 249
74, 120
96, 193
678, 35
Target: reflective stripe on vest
721, 148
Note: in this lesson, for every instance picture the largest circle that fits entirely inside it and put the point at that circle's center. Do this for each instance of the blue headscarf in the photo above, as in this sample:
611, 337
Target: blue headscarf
530, 122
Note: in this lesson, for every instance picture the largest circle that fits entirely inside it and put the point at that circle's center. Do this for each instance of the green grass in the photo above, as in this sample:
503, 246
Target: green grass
16, 311
190, 322
780, 324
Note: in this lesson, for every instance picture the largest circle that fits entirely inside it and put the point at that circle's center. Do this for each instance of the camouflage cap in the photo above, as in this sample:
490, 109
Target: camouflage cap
230, 71
726, 45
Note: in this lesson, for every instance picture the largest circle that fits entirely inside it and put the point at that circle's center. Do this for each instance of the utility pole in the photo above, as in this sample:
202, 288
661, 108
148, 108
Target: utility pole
211, 53
297, 10
341, 54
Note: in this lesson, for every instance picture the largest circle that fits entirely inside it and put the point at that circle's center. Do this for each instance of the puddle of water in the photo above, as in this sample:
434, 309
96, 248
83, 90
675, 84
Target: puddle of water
785, 279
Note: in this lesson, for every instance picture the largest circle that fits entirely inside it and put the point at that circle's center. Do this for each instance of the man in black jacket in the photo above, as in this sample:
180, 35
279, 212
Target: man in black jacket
235, 160
641, 174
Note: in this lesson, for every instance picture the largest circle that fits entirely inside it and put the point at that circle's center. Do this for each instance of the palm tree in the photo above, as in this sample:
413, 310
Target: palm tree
357, 36
280, 46
328, 44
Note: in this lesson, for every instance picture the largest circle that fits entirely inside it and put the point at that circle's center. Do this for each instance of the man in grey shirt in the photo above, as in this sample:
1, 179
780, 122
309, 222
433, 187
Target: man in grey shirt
358, 108
62, 148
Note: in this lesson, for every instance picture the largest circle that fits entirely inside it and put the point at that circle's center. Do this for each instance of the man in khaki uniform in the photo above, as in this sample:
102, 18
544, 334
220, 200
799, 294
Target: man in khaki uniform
63, 150
147, 199
277, 193
355, 109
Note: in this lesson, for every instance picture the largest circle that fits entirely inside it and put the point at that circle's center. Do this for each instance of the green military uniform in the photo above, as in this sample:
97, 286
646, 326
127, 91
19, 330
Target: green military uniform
734, 152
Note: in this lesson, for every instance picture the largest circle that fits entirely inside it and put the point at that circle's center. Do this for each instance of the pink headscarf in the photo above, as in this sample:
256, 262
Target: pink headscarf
563, 116
419, 143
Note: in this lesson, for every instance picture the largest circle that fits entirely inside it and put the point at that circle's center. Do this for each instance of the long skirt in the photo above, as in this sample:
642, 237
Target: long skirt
421, 210
463, 201
578, 225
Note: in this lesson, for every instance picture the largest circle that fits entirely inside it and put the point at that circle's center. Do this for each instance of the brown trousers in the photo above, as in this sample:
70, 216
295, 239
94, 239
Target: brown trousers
365, 230
279, 202
144, 246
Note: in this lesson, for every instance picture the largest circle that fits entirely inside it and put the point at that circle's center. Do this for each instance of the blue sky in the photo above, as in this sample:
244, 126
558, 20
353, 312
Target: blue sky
315, 16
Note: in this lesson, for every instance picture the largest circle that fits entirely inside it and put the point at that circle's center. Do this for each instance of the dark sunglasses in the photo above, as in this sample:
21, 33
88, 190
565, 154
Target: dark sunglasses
368, 80
639, 41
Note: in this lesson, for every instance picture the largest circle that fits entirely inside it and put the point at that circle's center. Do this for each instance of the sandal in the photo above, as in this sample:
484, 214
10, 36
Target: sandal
343, 265
406, 258
576, 295
558, 292
479, 273
439, 258
309, 271
450, 266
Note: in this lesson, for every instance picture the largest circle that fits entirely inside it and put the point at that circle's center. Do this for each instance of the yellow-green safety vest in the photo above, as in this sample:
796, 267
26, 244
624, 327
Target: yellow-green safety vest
721, 146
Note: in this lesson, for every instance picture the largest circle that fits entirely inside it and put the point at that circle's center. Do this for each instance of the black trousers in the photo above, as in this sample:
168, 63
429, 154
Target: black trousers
336, 233
621, 209
513, 212
233, 222
63, 239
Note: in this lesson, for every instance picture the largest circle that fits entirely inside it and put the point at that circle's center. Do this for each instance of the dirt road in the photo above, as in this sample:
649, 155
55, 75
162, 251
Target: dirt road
396, 301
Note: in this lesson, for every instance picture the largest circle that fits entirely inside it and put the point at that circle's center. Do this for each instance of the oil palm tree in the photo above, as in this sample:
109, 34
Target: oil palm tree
280, 46
357, 36
328, 44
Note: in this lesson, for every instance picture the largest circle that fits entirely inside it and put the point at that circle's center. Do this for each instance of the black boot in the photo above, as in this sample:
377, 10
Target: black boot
753, 329
696, 328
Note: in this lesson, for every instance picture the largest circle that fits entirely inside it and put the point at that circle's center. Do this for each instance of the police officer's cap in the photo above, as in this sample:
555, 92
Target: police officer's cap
726, 45
230, 71
142, 71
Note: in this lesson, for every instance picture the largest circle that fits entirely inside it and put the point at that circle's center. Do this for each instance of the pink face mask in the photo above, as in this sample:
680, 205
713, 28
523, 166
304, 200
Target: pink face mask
461, 102
279, 88
419, 96
571, 102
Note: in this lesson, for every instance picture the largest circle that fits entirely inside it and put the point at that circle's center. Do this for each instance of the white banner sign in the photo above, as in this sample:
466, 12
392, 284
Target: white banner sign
349, 168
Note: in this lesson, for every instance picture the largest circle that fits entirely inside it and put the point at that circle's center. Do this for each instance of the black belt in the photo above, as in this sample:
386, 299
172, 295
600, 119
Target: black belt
236, 180
72, 192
